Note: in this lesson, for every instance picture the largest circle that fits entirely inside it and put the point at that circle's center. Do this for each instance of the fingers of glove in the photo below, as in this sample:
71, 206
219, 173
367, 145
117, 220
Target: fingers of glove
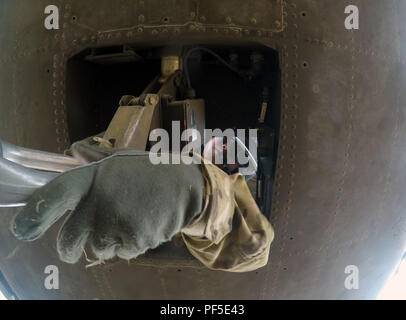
51, 202
137, 244
105, 245
73, 235
128, 253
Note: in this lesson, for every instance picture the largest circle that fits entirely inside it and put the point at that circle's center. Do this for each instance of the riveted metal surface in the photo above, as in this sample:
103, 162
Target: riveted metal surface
339, 191
341, 121
181, 15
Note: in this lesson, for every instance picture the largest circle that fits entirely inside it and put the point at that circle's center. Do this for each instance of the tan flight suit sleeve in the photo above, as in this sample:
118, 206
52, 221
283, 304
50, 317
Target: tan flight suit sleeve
230, 234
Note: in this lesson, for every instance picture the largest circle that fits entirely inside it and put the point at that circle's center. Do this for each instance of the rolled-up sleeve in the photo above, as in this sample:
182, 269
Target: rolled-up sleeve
231, 233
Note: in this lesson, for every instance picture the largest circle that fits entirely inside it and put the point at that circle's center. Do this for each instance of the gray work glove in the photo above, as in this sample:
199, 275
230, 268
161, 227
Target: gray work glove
123, 204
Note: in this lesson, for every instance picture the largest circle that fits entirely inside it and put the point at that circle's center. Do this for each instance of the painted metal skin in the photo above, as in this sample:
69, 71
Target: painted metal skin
341, 173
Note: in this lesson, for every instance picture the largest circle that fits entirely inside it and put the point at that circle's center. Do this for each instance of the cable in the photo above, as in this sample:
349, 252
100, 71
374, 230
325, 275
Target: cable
188, 53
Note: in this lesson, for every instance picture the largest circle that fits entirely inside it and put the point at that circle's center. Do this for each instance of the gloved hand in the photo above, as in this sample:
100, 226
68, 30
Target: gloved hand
123, 204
